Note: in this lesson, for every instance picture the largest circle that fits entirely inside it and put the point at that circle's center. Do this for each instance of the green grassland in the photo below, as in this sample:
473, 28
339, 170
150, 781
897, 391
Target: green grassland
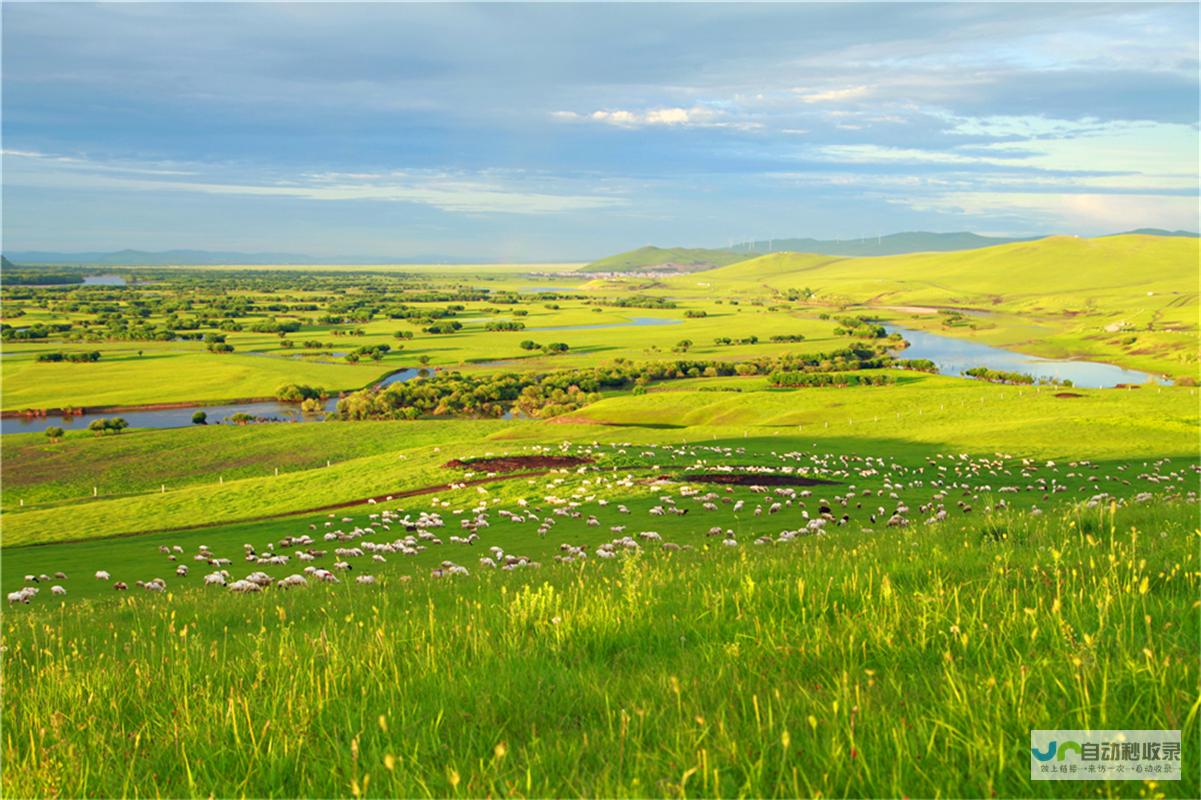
863, 656
220, 477
908, 663
186, 372
1031, 291
1140, 311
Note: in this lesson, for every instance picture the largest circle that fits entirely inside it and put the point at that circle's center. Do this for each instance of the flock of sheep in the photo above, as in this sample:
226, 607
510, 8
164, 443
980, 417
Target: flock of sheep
951, 484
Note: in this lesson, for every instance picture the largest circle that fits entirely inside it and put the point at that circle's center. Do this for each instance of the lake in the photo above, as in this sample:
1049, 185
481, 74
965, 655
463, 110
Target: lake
634, 321
955, 356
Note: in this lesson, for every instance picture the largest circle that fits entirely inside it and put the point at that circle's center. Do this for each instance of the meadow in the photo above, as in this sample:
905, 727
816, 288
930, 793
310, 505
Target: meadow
636, 566
908, 663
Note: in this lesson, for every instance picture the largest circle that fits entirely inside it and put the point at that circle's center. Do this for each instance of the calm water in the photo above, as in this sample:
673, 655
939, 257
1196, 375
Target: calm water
634, 321
182, 417
103, 280
955, 356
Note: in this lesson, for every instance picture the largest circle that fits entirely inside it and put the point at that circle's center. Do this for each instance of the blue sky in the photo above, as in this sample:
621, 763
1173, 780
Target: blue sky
565, 132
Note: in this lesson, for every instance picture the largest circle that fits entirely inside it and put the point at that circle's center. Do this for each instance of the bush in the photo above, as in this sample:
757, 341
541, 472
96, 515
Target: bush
200, 418
104, 425
54, 433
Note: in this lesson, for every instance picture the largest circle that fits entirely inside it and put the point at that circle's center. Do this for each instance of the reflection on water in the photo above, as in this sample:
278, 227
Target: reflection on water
103, 280
955, 356
633, 322
182, 417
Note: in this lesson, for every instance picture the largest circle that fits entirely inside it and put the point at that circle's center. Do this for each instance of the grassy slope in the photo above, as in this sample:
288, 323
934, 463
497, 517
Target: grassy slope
1149, 282
925, 414
138, 461
908, 663
650, 257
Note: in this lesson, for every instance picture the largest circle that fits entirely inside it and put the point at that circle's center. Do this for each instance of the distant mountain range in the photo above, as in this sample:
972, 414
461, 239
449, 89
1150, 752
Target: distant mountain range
643, 259
1160, 232
890, 245
145, 258
679, 259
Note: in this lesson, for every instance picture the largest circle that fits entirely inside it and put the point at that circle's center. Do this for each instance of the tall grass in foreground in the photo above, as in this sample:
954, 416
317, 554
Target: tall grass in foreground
909, 662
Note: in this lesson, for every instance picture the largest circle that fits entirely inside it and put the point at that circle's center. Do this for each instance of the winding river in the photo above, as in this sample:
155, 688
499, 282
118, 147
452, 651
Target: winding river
956, 356
953, 357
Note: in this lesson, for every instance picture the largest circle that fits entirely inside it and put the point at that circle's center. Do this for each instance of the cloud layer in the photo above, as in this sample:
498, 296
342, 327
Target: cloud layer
567, 131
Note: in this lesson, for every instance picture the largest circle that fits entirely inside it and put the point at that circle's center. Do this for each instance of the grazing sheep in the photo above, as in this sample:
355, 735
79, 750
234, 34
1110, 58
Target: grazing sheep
101, 575
120, 586
22, 596
56, 589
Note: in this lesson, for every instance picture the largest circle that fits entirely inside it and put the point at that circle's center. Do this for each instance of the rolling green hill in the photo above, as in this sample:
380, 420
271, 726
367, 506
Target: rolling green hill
1064, 266
665, 259
1129, 299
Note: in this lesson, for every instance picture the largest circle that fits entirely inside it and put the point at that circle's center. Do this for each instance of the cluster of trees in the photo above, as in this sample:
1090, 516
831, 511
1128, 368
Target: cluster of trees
505, 326
788, 337
78, 358
861, 326
452, 393
725, 341
374, 352
696, 313
917, 364
448, 326
552, 349
804, 379
107, 425
220, 347
276, 326
1017, 378
38, 330
954, 319
299, 392
633, 301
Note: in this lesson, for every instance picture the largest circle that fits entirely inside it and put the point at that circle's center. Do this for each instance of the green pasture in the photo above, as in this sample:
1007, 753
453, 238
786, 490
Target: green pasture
1053, 297
907, 662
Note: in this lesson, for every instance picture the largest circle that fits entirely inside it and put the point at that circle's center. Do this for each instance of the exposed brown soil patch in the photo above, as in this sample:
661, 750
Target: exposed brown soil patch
1068, 394
514, 463
749, 479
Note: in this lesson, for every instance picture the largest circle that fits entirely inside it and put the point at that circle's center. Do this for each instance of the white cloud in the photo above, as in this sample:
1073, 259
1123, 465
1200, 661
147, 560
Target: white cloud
481, 192
1084, 212
672, 116
833, 95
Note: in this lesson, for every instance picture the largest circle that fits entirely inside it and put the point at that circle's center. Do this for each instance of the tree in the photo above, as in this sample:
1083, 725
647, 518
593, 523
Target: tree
423, 360
54, 433
200, 418
529, 344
